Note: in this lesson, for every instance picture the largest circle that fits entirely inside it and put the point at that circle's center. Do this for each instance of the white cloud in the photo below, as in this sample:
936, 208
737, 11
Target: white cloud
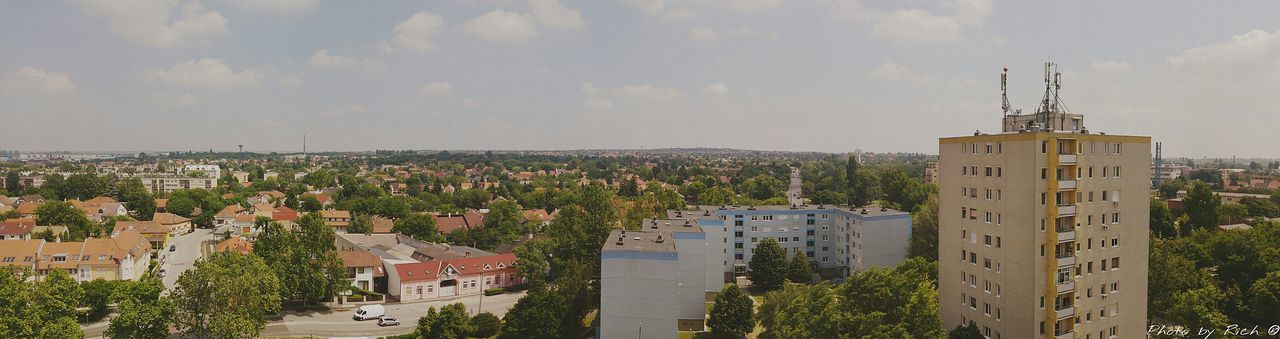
438, 88
899, 74
702, 34
208, 73
417, 32
554, 14
184, 100
503, 26
646, 92
598, 103
916, 26
753, 5
718, 88
276, 6
35, 79
322, 58
590, 89
1110, 66
1252, 46
659, 8
290, 81
149, 22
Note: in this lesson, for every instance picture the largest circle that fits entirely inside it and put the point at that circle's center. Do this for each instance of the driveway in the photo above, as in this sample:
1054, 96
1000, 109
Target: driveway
338, 323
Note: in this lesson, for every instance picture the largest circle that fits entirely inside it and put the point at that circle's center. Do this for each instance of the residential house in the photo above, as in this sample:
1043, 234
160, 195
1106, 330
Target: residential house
121, 257
339, 220
154, 232
382, 225
263, 209
22, 253
162, 205
17, 229
235, 244
538, 215
284, 213
177, 224
228, 214
28, 208
437, 279
363, 268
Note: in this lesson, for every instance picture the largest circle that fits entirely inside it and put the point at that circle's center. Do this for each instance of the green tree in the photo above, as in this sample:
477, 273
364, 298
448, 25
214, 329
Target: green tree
1169, 189
1201, 206
718, 195
968, 331
319, 271
1230, 213
803, 311
732, 315
924, 230
361, 224
903, 192
858, 192
13, 182
763, 187
97, 294
1261, 207
1170, 272
227, 295
901, 301
486, 325
533, 316
311, 204
17, 316
597, 202
501, 225
451, 322
768, 266
143, 313
61, 213
1198, 308
799, 269
1264, 298
419, 226
61, 328
1162, 220
133, 194
57, 296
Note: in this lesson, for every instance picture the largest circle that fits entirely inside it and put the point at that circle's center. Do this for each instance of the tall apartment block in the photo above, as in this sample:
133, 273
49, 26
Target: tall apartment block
1051, 236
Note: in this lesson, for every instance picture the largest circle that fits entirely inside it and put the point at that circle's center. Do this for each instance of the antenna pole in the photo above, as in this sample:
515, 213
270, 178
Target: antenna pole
1004, 92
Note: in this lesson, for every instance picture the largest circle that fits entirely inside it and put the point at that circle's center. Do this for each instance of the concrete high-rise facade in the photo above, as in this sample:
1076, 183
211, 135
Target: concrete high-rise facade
1050, 238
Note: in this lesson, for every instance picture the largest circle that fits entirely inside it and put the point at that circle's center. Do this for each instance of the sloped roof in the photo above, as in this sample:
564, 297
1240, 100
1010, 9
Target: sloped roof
169, 218
335, 214
145, 227
230, 211
236, 244
19, 252
101, 200
28, 208
17, 226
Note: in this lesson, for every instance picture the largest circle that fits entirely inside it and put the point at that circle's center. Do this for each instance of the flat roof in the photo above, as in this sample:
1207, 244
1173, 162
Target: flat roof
1026, 136
640, 241
870, 210
670, 225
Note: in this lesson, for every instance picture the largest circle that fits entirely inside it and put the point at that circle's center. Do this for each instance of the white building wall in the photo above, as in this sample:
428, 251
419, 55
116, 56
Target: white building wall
638, 289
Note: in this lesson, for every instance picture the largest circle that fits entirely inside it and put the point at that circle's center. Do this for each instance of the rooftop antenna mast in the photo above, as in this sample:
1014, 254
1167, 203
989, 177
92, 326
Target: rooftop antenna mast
1004, 91
1050, 103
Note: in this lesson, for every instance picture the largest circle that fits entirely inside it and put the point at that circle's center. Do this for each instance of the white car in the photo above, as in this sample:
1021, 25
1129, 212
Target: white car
368, 312
388, 321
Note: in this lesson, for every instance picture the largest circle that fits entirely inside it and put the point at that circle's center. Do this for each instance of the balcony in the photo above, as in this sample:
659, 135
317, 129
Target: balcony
1067, 286
1066, 210
1067, 261
1066, 235
1068, 335
1066, 159
1068, 184
1066, 312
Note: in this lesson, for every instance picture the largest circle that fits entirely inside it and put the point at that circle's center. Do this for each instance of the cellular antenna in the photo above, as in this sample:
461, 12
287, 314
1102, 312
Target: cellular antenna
1004, 91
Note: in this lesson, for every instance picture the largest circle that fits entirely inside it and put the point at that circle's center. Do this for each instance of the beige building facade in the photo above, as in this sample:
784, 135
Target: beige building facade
1043, 233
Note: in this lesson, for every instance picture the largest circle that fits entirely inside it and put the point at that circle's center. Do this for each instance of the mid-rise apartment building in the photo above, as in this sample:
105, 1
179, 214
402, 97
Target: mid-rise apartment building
657, 280
1043, 230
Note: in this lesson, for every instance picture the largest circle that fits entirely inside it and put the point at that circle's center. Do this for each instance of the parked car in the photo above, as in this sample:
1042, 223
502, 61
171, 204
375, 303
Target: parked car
173, 248
367, 312
388, 321
162, 272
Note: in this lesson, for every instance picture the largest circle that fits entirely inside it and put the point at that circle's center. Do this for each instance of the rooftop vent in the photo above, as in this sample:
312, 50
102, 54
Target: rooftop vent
751, 208
821, 206
678, 214
659, 240
619, 243
688, 224
793, 206
707, 213
722, 207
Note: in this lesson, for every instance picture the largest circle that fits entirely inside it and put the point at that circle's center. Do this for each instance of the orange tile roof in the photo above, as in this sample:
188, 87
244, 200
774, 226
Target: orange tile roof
144, 227
18, 252
236, 244
169, 218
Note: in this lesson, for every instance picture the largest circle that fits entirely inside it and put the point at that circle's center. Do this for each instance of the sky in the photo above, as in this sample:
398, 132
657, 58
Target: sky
814, 75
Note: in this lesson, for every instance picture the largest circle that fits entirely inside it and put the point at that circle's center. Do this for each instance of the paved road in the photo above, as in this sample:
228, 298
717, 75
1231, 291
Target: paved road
184, 257
794, 189
338, 322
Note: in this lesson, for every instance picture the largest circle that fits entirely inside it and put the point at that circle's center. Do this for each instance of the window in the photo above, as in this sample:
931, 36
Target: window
1116, 172
1042, 198
964, 170
1115, 263
754, 239
988, 148
986, 240
1115, 218
988, 171
988, 216
986, 263
999, 195
1115, 241
1044, 147
999, 172
1044, 173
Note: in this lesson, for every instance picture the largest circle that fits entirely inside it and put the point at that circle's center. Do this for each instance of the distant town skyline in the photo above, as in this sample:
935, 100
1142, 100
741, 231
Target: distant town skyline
828, 76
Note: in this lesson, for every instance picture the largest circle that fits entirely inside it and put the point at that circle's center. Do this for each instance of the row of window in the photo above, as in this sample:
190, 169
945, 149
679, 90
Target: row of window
987, 263
1080, 173
1082, 147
